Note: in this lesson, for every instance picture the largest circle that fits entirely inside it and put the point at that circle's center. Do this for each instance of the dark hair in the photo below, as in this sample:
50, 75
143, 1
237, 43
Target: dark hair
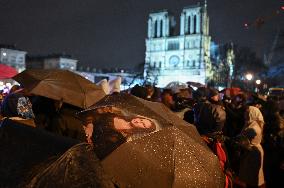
200, 94
212, 92
139, 91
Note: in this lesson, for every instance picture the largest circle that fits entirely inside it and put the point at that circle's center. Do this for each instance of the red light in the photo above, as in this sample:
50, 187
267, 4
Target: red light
282, 8
246, 25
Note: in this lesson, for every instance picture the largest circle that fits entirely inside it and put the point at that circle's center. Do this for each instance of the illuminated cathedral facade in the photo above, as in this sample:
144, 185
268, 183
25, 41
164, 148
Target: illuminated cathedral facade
184, 57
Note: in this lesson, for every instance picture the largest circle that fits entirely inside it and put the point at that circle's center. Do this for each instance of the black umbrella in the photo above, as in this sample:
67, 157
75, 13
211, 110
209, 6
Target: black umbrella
77, 167
166, 158
162, 150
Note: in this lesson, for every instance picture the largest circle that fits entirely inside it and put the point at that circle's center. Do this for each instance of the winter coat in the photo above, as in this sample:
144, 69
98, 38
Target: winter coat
234, 119
251, 162
209, 117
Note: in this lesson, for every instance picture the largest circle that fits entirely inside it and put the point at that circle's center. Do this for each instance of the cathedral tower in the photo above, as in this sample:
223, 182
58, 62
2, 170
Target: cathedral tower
185, 57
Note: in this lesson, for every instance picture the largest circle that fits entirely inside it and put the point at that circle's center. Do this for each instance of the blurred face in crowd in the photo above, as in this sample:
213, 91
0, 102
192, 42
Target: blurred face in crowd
215, 98
167, 99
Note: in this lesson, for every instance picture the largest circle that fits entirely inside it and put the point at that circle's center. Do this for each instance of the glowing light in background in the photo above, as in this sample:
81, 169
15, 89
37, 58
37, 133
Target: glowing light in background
249, 76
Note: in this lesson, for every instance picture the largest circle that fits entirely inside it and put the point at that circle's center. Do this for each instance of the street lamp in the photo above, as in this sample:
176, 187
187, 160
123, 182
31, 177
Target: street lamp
249, 76
258, 82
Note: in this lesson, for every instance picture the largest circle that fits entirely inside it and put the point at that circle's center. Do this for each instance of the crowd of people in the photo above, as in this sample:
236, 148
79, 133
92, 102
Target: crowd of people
250, 128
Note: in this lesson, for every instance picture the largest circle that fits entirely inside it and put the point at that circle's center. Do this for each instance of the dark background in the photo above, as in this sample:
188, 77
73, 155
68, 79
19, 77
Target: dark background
111, 33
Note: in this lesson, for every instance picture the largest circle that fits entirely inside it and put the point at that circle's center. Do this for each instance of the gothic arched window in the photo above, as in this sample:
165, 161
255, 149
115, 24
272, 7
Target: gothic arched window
152, 64
194, 24
193, 63
161, 30
156, 28
188, 24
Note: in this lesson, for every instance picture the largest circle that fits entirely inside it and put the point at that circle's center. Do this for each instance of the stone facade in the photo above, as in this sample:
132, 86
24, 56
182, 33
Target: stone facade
183, 58
13, 57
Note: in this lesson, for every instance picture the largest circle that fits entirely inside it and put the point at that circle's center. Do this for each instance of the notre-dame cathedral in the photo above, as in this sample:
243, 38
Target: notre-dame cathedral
183, 57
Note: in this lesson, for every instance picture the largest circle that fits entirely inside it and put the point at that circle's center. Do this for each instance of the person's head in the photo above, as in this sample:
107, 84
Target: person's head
257, 100
213, 94
150, 90
254, 114
167, 97
239, 99
226, 99
156, 95
200, 94
139, 91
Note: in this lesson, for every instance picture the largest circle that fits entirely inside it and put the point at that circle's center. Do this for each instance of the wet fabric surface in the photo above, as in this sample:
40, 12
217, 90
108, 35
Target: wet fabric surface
174, 155
22, 147
167, 158
77, 167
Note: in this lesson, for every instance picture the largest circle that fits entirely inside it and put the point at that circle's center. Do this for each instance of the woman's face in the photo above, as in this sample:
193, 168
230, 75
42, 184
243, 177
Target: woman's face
141, 123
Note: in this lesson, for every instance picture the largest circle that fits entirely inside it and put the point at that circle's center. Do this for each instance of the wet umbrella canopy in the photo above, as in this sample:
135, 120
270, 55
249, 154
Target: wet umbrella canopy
23, 147
167, 158
63, 85
154, 110
77, 167
137, 106
168, 152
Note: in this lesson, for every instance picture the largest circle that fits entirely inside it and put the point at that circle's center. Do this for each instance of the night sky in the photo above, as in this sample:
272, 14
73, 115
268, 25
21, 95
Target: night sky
111, 33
